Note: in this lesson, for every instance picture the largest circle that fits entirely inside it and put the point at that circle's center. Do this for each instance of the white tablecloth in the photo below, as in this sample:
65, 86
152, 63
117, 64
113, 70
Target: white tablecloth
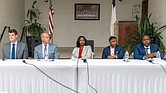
107, 76
17, 77
116, 76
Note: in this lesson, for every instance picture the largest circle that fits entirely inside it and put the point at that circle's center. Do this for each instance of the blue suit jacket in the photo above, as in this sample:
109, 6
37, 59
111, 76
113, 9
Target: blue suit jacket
119, 50
52, 52
139, 51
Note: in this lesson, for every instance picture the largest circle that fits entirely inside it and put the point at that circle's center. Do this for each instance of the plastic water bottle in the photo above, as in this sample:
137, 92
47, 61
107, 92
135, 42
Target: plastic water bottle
92, 55
126, 58
73, 56
158, 58
116, 54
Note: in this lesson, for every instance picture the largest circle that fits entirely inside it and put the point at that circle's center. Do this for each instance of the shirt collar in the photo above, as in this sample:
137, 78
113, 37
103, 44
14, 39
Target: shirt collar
14, 43
147, 47
44, 44
111, 47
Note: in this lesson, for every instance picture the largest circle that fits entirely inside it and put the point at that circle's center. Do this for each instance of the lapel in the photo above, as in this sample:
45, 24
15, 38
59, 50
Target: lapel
151, 48
109, 52
49, 49
115, 50
18, 48
143, 49
84, 49
41, 50
8, 49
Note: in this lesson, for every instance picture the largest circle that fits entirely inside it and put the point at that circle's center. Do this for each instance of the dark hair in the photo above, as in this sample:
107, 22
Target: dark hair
112, 37
13, 31
144, 36
78, 41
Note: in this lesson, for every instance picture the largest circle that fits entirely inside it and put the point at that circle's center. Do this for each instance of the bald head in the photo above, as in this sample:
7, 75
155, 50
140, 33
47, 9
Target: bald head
45, 37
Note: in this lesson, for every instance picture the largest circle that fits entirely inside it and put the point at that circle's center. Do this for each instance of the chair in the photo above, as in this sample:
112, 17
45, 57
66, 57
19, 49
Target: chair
91, 43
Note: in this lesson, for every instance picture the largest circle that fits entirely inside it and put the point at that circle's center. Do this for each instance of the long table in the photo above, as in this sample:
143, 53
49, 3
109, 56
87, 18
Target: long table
17, 77
106, 76
117, 76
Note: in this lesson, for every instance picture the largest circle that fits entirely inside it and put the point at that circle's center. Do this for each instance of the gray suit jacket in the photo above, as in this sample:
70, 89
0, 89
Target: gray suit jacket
21, 51
52, 52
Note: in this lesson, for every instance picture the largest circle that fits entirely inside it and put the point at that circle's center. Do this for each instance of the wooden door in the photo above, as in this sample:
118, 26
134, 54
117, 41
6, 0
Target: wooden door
125, 28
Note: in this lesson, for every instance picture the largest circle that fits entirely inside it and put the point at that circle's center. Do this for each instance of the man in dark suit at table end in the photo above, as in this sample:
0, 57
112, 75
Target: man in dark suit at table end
14, 49
113, 51
146, 50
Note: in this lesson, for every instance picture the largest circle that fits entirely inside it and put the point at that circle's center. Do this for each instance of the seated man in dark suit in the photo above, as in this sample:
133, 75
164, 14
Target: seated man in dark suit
14, 49
146, 50
113, 51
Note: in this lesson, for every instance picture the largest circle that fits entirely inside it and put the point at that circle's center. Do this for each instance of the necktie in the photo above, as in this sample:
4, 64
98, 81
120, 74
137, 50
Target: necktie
45, 51
13, 51
146, 49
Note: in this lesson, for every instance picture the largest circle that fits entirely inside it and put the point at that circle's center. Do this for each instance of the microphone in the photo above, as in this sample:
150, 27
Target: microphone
50, 77
150, 61
84, 60
24, 62
3, 59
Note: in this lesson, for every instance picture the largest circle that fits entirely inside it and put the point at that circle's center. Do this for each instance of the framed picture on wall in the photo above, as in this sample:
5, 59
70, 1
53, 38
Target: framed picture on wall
87, 11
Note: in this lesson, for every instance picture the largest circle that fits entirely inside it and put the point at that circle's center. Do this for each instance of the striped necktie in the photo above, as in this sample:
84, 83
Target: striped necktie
45, 51
146, 49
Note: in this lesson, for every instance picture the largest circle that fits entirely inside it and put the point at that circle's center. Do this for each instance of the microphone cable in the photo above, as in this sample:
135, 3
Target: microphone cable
77, 73
159, 65
162, 67
50, 77
85, 61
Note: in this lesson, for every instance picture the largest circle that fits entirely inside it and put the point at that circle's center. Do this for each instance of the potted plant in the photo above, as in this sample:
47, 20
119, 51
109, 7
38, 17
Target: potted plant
33, 27
145, 27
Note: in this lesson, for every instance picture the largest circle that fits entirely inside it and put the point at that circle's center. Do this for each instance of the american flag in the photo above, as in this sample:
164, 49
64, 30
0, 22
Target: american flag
51, 14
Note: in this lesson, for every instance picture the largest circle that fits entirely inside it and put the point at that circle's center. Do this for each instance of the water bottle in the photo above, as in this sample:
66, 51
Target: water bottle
92, 55
73, 56
126, 58
158, 58
116, 54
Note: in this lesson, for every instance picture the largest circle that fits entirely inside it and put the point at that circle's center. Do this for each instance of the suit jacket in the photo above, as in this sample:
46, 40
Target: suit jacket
21, 51
86, 52
52, 52
119, 50
139, 50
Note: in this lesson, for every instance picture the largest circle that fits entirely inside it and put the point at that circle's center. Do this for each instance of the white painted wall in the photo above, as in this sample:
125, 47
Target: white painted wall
12, 14
158, 10
67, 29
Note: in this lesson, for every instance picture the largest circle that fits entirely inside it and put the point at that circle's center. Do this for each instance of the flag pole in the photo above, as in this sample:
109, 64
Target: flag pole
51, 25
113, 19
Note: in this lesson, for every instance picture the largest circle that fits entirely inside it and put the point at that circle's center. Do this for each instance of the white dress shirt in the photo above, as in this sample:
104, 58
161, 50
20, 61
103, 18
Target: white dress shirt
112, 51
148, 50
